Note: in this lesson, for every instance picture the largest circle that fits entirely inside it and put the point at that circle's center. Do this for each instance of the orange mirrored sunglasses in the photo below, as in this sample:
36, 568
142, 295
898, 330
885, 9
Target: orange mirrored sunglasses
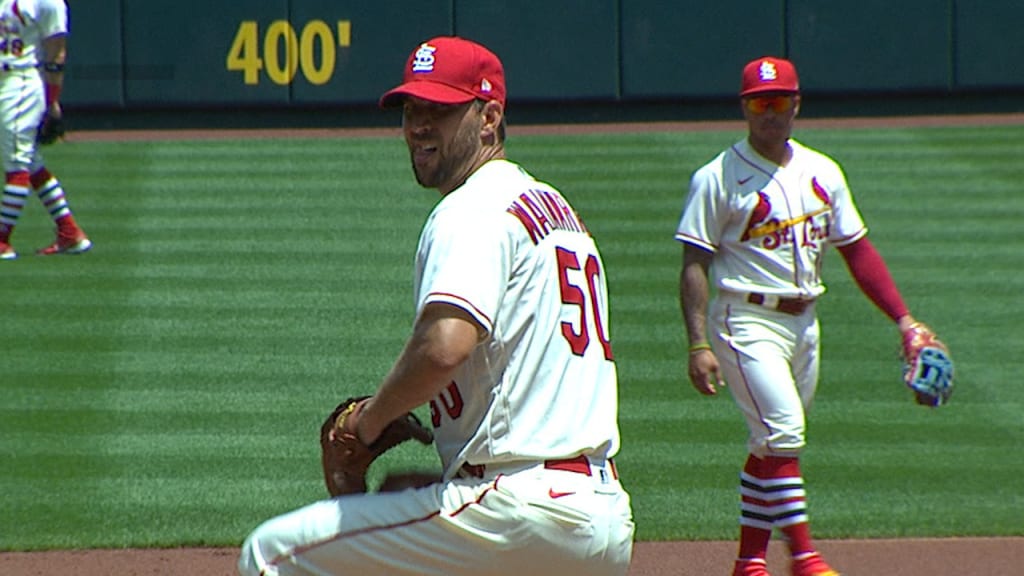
778, 104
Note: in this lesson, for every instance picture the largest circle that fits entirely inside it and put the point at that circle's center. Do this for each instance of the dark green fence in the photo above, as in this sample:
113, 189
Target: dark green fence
285, 53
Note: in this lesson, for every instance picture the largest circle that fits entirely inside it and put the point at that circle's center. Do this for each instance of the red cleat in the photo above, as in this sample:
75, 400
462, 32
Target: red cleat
75, 243
7, 252
811, 564
750, 567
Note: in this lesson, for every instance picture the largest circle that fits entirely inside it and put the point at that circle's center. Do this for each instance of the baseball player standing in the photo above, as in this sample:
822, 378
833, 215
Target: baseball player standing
510, 348
757, 221
33, 37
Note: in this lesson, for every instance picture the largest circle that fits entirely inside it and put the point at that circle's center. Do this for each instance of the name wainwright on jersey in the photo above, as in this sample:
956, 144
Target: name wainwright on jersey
541, 212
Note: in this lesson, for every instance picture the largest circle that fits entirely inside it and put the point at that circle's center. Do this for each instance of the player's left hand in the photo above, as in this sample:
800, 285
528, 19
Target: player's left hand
50, 129
927, 366
345, 458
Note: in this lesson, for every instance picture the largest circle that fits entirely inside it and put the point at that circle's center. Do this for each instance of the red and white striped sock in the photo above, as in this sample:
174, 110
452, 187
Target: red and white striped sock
789, 502
16, 190
756, 521
51, 193
772, 496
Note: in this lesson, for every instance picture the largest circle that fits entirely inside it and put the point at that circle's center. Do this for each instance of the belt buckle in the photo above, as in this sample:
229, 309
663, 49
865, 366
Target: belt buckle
793, 306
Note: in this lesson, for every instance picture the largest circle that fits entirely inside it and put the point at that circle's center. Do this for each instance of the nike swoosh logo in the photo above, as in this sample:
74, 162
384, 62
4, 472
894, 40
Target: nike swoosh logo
554, 495
743, 181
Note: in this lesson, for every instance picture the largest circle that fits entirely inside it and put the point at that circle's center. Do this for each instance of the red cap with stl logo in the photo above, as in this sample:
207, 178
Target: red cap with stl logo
450, 70
769, 74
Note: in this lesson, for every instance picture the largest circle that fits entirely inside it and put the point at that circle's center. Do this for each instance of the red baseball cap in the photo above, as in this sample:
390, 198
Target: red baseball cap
450, 70
769, 74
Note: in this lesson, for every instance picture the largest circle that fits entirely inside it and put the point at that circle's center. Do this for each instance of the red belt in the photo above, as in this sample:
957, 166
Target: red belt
579, 465
794, 306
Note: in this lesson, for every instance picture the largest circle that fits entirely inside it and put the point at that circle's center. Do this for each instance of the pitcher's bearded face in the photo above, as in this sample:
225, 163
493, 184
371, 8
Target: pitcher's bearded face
442, 139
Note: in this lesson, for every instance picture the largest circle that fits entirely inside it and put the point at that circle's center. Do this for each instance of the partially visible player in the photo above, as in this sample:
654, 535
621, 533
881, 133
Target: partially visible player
756, 224
34, 36
510, 348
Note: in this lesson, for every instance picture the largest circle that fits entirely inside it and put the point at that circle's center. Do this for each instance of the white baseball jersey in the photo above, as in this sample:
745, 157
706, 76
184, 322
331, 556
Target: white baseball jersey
540, 387
24, 25
512, 252
767, 224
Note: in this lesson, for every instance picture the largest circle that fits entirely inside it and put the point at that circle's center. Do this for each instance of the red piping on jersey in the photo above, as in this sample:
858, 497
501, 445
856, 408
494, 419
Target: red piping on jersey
845, 240
753, 165
493, 486
687, 239
343, 535
794, 241
369, 530
467, 305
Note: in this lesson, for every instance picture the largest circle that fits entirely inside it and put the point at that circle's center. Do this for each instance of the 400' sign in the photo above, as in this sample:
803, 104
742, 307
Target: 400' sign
285, 52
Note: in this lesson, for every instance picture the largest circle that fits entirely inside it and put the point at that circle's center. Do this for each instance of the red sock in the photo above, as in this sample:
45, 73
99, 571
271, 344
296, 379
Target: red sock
40, 177
755, 529
67, 224
790, 501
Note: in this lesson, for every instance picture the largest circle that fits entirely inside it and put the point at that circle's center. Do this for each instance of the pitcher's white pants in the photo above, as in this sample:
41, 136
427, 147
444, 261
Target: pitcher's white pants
527, 521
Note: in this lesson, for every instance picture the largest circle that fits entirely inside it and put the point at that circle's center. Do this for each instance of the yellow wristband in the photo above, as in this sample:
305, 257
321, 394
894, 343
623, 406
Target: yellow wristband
699, 347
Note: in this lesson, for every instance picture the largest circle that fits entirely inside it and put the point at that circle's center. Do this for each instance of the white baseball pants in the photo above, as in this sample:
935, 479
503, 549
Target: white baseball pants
521, 521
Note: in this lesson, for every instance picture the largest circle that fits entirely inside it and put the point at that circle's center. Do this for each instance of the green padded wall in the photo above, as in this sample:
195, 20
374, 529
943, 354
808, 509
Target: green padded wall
287, 53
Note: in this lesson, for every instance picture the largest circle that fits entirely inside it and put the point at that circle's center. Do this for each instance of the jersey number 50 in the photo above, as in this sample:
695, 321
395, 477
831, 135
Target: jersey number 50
591, 300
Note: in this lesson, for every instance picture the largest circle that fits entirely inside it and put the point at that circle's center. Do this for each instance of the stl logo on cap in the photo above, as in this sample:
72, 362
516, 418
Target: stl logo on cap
424, 59
768, 72
449, 70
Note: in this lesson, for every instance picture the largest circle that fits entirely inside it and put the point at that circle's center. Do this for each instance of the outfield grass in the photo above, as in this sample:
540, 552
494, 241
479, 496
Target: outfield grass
166, 389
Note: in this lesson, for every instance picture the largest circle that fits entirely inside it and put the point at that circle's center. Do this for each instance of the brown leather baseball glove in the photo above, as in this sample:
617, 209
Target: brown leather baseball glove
345, 459
927, 366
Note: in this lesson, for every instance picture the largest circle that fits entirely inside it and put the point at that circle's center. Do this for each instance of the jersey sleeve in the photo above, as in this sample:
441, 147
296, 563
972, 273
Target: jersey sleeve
847, 224
465, 262
699, 224
53, 18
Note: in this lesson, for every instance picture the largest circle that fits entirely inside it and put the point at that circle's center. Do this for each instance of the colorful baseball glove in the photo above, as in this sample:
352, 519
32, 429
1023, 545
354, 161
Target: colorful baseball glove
345, 459
927, 366
50, 129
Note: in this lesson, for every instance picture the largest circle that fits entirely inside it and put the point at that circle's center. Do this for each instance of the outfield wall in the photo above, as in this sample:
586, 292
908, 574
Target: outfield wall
134, 54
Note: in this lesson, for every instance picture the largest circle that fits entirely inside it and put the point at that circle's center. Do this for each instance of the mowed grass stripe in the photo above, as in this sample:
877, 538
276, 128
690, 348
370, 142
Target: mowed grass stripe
239, 288
224, 336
